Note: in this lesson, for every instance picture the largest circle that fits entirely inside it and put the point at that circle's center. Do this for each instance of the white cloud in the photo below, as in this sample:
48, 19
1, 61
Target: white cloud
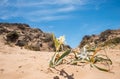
34, 10
53, 11
51, 18
66, 9
49, 2
47, 18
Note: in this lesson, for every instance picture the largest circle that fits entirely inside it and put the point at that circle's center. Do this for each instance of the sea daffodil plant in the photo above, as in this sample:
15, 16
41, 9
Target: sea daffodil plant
89, 56
57, 58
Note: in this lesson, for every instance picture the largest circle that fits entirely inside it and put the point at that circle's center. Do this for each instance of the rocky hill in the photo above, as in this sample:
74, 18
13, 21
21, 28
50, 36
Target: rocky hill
16, 34
110, 38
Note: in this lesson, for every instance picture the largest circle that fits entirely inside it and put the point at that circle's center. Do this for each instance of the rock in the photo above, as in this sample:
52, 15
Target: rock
108, 37
47, 37
12, 36
21, 43
24, 36
36, 45
66, 47
3, 30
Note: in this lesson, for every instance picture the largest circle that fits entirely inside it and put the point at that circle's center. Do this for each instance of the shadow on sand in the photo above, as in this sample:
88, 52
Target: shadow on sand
64, 74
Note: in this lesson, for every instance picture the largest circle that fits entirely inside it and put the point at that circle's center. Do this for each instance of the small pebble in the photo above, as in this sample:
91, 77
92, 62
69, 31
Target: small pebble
56, 77
19, 66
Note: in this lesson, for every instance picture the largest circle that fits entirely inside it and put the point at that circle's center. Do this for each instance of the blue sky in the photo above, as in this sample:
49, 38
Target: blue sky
72, 18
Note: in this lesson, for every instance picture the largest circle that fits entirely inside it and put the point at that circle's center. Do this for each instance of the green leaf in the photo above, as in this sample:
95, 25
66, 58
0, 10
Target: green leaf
91, 65
56, 43
52, 61
62, 56
100, 58
73, 62
102, 69
91, 50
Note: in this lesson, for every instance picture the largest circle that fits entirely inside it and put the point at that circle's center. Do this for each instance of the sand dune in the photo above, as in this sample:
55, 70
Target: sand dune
17, 63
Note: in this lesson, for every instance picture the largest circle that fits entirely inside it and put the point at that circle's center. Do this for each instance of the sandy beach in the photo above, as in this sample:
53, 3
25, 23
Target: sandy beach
17, 63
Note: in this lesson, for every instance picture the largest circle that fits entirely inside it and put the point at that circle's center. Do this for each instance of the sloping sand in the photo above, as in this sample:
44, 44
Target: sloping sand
17, 63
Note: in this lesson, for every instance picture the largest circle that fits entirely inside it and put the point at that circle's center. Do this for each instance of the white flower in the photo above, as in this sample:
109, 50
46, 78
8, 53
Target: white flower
61, 39
85, 48
84, 54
